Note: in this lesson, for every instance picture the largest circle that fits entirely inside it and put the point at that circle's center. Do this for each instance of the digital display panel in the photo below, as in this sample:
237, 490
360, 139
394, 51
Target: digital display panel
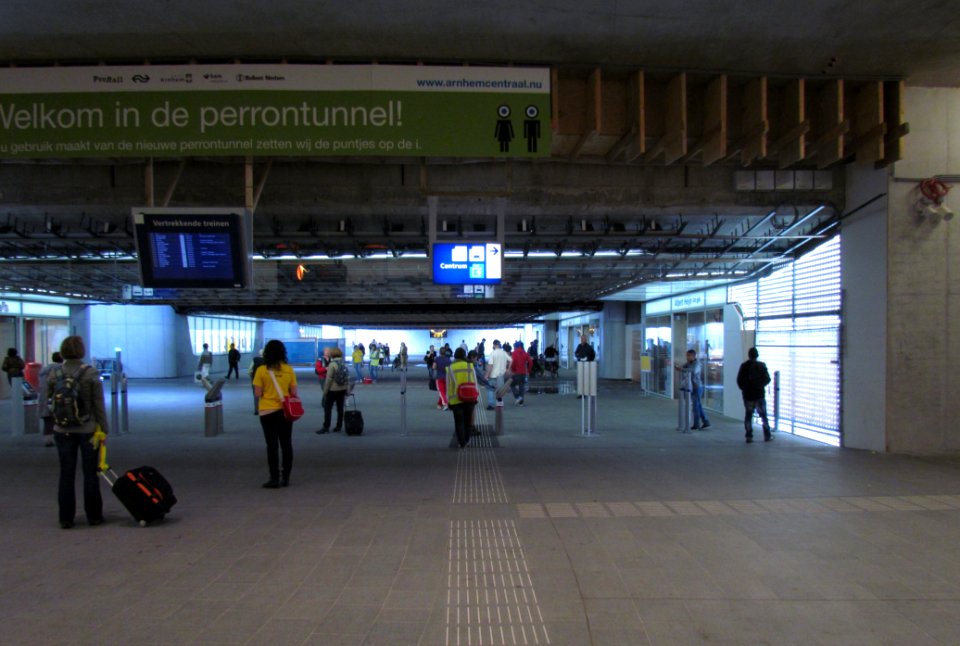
191, 250
467, 263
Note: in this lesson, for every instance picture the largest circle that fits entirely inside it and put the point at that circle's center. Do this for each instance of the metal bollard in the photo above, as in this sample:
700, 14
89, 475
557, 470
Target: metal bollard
114, 400
213, 408
124, 411
776, 400
31, 415
403, 400
213, 418
16, 406
498, 416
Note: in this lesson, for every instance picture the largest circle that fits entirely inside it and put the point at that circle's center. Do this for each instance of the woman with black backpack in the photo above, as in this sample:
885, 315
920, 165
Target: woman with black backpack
75, 394
335, 388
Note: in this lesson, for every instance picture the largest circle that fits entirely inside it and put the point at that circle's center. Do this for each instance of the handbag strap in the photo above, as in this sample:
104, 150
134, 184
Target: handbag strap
279, 392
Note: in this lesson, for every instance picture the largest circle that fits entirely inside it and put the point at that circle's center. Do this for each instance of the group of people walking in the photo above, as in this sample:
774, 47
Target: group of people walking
491, 372
457, 375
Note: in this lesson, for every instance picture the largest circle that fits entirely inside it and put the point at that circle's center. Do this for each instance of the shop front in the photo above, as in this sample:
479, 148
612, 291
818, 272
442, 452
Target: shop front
674, 325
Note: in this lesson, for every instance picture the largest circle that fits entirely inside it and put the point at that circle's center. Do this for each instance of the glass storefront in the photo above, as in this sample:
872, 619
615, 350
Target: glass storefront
658, 337
692, 321
43, 337
705, 335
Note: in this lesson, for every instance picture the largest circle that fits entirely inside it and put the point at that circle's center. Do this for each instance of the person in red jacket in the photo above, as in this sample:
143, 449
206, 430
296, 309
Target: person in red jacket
520, 364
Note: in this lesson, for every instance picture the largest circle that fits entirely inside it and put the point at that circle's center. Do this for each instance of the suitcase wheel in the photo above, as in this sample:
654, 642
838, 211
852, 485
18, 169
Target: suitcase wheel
143, 523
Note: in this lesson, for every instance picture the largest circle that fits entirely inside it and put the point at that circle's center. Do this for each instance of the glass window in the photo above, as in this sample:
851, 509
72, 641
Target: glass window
796, 314
658, 342
219, 333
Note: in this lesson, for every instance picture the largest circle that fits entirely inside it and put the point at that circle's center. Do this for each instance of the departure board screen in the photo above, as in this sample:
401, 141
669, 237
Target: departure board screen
191, 250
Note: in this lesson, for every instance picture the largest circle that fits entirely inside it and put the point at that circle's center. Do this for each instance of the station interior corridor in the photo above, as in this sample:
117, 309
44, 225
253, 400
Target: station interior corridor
638, 535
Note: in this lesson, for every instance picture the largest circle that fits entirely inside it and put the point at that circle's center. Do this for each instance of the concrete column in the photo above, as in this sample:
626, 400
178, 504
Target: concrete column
864, 276
923, 297
613, 358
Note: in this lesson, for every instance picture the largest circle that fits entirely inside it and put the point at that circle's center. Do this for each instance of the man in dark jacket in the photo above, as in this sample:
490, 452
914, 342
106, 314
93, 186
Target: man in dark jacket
233, 358
585, 351
752, 379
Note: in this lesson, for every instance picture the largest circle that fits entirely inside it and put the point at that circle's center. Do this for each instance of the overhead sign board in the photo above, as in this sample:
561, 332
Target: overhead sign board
467, 263
192, 248
274, 110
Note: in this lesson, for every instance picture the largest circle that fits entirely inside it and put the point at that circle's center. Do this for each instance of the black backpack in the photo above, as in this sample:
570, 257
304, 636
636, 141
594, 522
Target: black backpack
341, 376
66, 407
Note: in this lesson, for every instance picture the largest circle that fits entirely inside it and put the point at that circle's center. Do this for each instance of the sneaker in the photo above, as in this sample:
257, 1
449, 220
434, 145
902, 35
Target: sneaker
749, 440
520, 402
706, 426
695, 427
445, 407
767, 438
271, 484
66, 524
95, 522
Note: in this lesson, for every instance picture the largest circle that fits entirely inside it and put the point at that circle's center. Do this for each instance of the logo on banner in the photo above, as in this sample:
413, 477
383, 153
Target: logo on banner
177, 78
140, 78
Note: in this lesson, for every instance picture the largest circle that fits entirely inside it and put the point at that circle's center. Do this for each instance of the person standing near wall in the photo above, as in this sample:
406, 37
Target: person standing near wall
277, 429
44, 405
13, 365
752, 379
693, 373
74, 436
233, 358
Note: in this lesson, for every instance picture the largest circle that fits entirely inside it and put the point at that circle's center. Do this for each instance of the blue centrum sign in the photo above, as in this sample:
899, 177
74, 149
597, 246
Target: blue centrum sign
467, 263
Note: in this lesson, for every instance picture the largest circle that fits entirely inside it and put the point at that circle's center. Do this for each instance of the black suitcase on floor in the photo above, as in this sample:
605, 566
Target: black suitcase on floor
353, 418
144, 492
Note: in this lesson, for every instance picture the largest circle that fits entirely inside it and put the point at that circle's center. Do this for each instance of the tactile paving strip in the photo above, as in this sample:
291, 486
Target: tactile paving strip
490, 595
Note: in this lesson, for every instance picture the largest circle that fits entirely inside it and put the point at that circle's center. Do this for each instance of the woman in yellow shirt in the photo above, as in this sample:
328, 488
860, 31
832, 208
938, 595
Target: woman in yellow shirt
277, 430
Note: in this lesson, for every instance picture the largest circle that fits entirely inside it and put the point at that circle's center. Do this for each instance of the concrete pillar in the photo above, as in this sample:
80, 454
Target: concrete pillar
922, 296
613, 353
864, 276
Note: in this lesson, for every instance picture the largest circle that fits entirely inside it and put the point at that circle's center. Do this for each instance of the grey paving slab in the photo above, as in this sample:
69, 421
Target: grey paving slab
640, 535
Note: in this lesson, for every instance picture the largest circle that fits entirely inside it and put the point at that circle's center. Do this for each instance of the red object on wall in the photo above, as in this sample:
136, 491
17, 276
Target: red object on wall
31, 374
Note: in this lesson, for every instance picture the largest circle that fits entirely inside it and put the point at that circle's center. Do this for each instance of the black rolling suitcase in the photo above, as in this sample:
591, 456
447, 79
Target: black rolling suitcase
353, 418
144, 492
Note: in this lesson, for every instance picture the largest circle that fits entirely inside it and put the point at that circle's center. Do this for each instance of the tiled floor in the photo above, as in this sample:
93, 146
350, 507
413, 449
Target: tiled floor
639, 535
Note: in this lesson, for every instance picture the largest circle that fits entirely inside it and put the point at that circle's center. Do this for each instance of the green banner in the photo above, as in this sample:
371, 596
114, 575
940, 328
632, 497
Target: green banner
114, 122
